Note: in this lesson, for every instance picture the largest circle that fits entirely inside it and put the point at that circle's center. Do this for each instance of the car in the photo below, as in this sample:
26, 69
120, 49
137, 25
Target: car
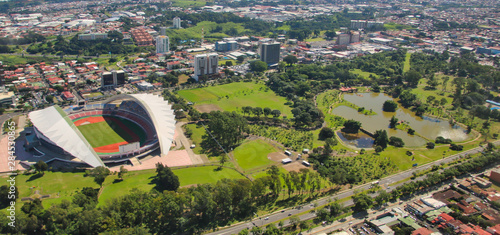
282, 211
289, 214
266, 218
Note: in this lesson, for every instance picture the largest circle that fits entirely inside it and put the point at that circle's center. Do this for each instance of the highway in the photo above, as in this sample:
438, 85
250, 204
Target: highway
385, 182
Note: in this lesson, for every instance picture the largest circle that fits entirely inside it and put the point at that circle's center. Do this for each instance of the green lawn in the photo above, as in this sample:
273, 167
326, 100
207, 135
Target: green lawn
187, 3
106, 133
362, 73
134, 179
318, 39
253, 154
198, 132
234, 96
12, 59
204, 175
66, 184
407, 62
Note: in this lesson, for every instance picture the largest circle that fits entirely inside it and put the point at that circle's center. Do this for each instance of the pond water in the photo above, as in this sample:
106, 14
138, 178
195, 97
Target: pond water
426, 126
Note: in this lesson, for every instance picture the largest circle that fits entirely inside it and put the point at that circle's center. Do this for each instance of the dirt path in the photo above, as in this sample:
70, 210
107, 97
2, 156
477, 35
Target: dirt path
181, 138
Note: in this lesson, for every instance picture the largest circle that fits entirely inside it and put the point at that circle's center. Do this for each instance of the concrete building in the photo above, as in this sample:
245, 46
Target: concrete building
495, 175
343, 39
92, 36
163, 31
270, 52
177, 23
226, 46
206, 64
162, 44
7, 98
112, 79
364, 24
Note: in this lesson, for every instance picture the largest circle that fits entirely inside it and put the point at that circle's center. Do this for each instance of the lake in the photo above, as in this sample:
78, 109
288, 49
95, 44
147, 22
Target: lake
426, 126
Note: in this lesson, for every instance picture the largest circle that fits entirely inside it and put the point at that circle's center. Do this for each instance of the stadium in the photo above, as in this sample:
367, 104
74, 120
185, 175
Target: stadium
111, 132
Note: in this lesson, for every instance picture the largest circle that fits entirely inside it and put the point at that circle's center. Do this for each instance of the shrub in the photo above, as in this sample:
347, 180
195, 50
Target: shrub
326, 133
396, 141
456, 147
430, 145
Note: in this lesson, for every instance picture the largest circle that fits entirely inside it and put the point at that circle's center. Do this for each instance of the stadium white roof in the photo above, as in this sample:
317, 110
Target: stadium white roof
161, 114
54, 124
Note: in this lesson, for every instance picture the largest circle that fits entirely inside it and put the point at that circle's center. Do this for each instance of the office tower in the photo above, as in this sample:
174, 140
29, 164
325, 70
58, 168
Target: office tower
163, 31
177, 23
206, 64
270, 52
112, 79
162, 44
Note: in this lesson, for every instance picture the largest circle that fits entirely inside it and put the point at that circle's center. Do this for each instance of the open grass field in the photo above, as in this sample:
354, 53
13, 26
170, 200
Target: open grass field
188, 3
204, 175
198, 132
422, 155
363, 73
234, 96
208, 27
253, 154
407, 62
58, 184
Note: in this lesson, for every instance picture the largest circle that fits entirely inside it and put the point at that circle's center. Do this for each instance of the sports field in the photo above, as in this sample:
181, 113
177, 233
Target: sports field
253, 154
234, 96
106, 133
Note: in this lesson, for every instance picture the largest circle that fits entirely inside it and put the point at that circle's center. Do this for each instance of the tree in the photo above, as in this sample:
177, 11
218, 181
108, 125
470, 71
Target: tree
412, 77
240, 59
229, 63
351, 126
330, 34
276, 113
246, 109
225, 129
267, 111
166, 179
294, 221
430, 145
258, 66
257, 111
390, 106
122, 172
362, 202
430, 99
5, 199
393, 122
443, 101
382, 197
100, 173
381, 139
290, 59
41, 166
326, 133
396, 141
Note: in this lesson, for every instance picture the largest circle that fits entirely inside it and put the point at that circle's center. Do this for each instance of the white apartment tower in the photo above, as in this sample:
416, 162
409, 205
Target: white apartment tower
177, 23
206, 64
162, 44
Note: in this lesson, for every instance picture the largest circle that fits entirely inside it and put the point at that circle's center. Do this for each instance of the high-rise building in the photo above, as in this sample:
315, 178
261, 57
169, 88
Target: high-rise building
364, 24
177, 23
2, 76
343, 39
163, 31
206, 64
162, 44
112, 79
270, 52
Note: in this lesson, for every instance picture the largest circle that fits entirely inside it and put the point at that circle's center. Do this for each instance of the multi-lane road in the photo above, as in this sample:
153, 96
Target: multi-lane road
385, 182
